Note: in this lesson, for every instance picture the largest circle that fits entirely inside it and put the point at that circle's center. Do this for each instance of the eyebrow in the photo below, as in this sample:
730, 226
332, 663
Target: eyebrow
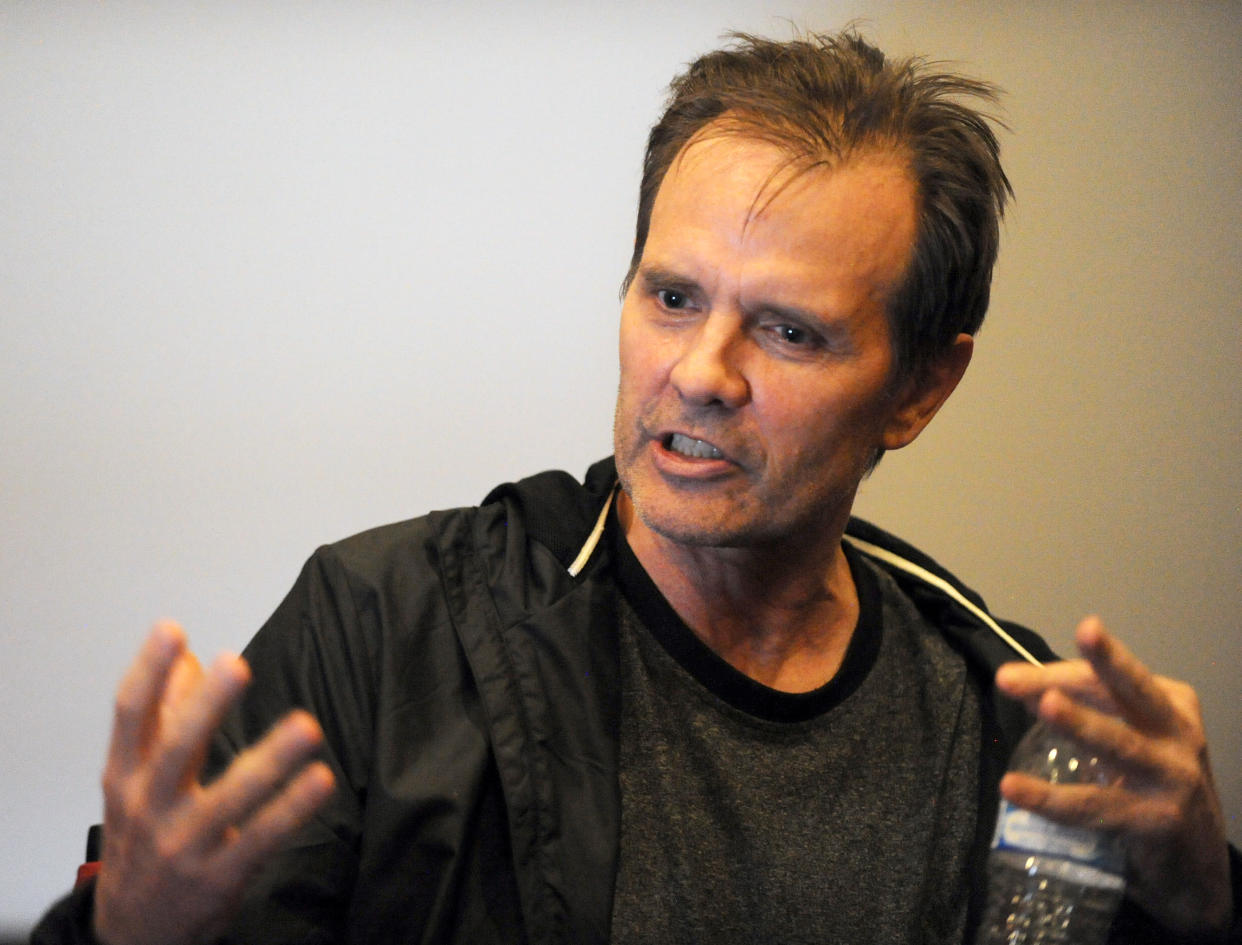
659, 277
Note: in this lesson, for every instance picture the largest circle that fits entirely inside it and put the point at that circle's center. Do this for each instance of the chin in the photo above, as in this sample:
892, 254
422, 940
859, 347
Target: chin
686, 523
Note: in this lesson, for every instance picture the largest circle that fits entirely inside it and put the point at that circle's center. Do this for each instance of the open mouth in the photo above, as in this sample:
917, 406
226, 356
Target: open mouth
688, 446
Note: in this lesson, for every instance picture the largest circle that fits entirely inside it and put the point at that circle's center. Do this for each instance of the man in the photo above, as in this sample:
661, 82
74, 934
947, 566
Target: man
690, 699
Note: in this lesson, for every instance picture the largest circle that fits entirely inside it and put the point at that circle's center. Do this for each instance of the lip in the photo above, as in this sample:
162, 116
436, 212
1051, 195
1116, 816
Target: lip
673, 463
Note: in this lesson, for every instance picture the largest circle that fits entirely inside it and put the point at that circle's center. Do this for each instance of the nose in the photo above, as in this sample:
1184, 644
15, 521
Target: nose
708, 371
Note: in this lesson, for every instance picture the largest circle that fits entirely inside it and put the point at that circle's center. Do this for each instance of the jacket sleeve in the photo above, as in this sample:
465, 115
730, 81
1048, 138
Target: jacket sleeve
318, 653
1134, 927
68, 922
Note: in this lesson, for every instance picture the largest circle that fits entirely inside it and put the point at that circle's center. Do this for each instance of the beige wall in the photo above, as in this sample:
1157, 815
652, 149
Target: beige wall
274, 273
1090, 460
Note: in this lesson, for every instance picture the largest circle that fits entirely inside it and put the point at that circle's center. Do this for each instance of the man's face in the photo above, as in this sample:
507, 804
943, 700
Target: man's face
755, 351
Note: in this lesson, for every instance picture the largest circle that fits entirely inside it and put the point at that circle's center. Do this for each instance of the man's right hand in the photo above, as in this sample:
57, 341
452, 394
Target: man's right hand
177, 855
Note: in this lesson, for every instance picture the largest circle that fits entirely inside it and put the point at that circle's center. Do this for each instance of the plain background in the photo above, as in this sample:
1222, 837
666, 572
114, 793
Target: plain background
274, 273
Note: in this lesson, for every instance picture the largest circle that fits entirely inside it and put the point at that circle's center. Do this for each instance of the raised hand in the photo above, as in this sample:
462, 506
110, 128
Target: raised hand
1165, 804
178, 855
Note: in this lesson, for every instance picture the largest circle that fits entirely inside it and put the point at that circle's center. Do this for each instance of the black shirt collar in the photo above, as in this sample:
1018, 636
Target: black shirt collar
729, 684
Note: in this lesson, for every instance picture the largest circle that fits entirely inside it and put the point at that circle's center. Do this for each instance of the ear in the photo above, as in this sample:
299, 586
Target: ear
919, 398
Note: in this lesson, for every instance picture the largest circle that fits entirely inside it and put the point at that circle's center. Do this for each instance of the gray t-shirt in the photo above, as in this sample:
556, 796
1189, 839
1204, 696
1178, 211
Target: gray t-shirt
748, 815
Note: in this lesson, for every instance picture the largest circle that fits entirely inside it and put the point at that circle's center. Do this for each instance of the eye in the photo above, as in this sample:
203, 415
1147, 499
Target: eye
672, 299
792, 334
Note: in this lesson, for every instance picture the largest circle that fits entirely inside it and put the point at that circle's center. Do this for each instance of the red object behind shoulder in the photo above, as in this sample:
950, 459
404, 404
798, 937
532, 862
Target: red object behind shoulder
85, 872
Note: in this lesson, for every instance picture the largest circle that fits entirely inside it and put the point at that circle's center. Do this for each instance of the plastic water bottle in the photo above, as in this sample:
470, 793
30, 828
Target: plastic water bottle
1049, 884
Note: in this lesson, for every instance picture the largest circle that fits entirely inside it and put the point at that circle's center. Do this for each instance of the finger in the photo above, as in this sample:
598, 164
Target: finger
1138, 757
278, 819
1093, 806
257, 775
135, 715
191, 725
186, 675
1134, 687
1076, 678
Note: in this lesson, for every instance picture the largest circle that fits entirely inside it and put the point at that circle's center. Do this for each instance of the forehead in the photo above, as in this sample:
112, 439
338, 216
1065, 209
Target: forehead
732, 205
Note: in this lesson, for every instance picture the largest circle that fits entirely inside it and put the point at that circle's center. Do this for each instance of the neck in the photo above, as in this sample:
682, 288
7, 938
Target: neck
783, 615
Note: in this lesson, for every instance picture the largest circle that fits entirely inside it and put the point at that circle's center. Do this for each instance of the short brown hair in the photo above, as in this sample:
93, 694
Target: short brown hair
827, 97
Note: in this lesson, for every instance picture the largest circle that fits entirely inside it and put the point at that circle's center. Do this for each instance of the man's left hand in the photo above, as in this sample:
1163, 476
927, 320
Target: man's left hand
1165, 803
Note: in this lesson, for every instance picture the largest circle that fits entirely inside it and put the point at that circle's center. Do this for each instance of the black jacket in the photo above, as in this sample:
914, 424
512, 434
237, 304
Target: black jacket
467, 684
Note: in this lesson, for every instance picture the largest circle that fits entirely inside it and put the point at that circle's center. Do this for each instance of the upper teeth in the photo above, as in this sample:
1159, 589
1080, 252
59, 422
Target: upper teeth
688, 446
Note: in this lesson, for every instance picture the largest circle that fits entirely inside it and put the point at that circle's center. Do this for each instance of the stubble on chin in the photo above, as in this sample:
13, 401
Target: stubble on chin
694, 518
693, 521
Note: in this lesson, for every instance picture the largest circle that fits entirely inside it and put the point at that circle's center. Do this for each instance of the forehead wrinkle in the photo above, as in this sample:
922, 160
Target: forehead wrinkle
773, 170
797, 166
730, 128
714, 166
880, 156
854, 262
804, 151
759, 203
765, 192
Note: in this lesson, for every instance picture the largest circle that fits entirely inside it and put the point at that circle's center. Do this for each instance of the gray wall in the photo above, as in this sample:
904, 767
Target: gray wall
270, 274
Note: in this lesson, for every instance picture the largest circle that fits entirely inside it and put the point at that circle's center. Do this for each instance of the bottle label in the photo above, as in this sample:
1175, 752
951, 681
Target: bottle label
1021, 830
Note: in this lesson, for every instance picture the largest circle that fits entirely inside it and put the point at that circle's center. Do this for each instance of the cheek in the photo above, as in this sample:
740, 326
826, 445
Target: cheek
628, 372
629, 393
639, 361
626, 342
817, 432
